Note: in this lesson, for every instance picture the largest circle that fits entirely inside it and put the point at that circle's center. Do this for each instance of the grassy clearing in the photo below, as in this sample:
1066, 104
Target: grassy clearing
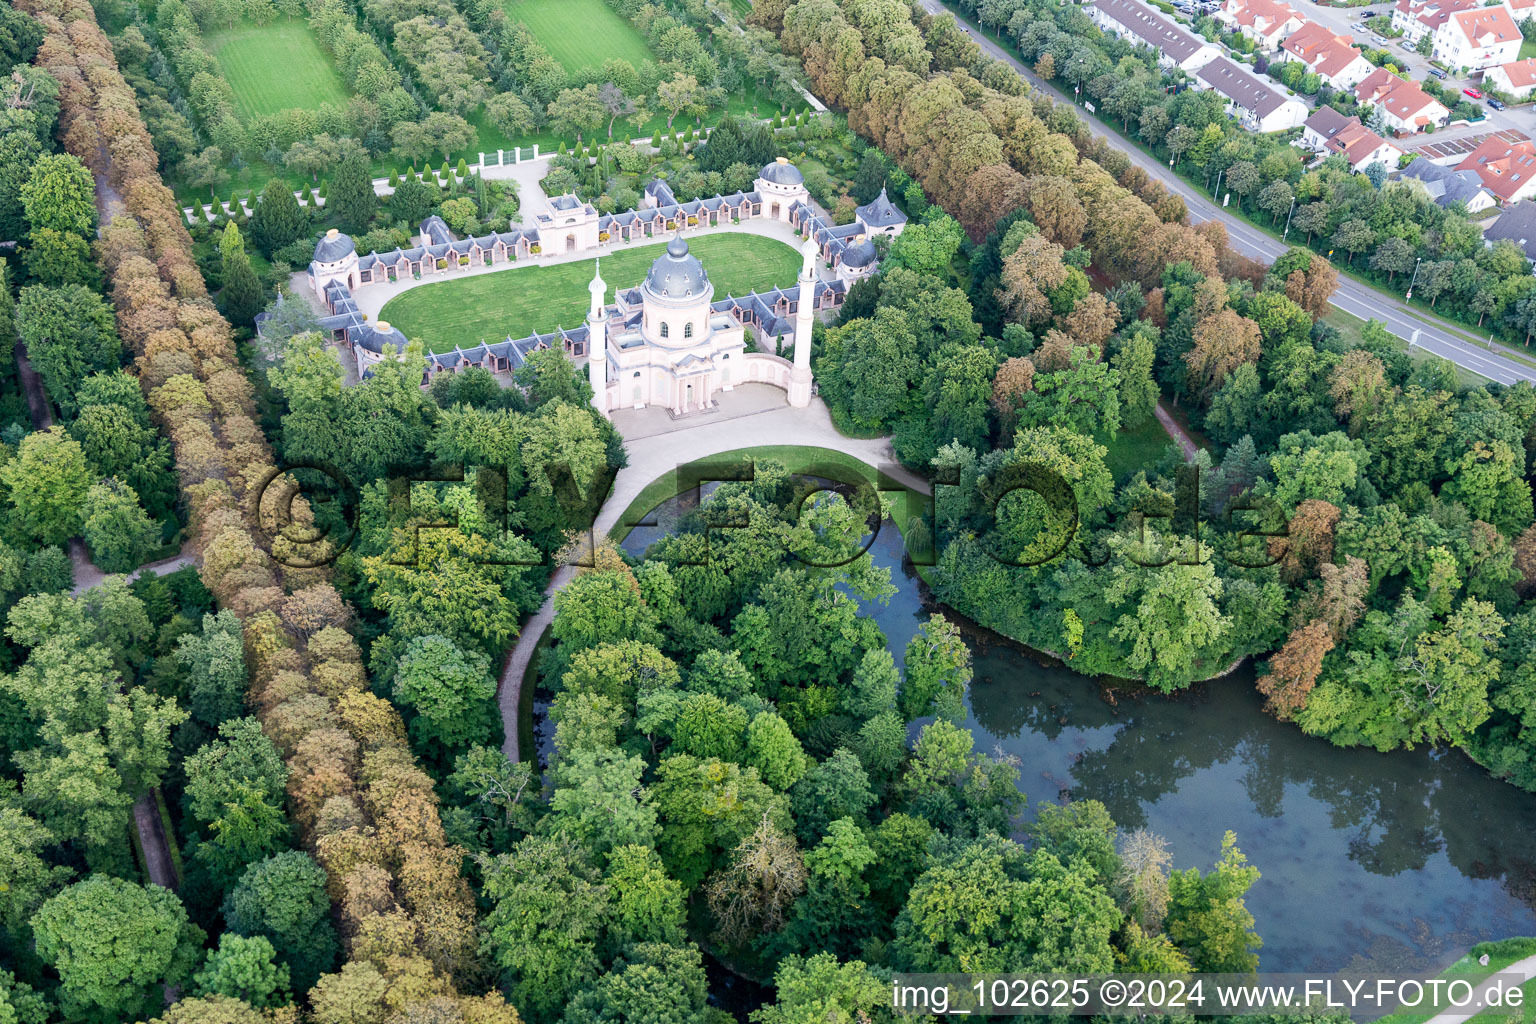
580, 33
276, 67
1350, 327
520, 301
1135, 450
1527, 49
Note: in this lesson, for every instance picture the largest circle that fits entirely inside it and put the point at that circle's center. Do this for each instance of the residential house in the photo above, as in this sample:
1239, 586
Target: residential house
1446, 185
1333, 58
1508, 169
1267, 22
1482, 38
1259, 107
1415, 18
1405, 107
1516, 224
1330, 132
1136, 21
1517, 78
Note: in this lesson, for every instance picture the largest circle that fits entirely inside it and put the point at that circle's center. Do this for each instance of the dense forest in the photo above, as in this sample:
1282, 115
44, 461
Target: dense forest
1362, 521
742, 776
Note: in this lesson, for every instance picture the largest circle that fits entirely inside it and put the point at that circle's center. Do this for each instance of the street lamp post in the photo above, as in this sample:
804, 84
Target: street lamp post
1288, 216
1415, 279
1217, 190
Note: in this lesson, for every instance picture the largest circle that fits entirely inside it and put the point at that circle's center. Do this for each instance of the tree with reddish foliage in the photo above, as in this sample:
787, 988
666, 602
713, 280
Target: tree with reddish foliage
1294, 669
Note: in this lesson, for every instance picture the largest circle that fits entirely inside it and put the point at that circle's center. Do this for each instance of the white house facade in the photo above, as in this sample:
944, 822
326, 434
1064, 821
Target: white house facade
1267, 22
1481, 38
1517, 78
1141, 23
1334, 59
1257, 106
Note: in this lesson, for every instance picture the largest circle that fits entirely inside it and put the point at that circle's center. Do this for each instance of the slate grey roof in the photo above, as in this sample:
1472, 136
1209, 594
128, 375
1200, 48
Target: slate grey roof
514, 351
881, 212
1151, 28
860, 254
834, 238
677, 273
1328, 122
782, 172
333, 246
770, 312
375, 336
435, 231
1517, 224
1445, 185
661, 192
1241, 87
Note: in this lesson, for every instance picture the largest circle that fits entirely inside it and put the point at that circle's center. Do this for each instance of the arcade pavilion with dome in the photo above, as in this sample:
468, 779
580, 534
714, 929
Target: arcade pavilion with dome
669, 342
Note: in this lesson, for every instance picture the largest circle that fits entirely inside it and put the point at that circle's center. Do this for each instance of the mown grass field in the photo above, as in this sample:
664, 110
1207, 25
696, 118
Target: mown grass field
580, 33
523, 300
276, 67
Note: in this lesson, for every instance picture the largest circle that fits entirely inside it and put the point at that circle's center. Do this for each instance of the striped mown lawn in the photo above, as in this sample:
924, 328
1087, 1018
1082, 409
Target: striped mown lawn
580, 33
276, 67
520, 301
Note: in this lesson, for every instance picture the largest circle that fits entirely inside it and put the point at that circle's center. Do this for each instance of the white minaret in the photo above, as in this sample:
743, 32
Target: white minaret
800, 376
597, 341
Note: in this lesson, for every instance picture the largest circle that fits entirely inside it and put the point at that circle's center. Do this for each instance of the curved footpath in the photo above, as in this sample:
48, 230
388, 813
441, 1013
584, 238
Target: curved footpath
650, 458
1431, 333
1525, 969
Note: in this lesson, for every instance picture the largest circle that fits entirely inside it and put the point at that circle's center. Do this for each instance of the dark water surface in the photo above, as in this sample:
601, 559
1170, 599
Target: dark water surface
1390, 862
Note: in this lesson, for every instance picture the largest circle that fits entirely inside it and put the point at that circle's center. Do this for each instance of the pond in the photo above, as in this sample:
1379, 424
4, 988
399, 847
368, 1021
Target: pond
1371, 862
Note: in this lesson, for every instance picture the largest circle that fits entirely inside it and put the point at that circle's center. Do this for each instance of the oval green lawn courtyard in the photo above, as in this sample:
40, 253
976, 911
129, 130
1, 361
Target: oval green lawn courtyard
530, 298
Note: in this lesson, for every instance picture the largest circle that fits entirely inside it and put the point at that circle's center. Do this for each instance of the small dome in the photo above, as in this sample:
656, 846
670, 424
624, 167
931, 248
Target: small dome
860, 254
375, 336
782, 172
334, 246
678, 274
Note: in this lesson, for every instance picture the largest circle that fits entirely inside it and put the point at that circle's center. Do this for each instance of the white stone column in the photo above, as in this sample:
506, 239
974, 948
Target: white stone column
597, 342
800, 376
535, 150
517, 155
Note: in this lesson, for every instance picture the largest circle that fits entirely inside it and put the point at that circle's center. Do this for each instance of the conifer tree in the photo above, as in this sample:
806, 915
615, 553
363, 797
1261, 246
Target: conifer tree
241, 298
278, 219
350, 194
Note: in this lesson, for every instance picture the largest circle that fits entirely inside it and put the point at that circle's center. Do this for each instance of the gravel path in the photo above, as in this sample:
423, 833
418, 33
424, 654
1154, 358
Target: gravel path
1185, 442
88, 576
157, 855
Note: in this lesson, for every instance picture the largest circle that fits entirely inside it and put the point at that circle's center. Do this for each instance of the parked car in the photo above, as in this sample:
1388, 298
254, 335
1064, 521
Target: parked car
1496, 104
1438, 74
1476, 94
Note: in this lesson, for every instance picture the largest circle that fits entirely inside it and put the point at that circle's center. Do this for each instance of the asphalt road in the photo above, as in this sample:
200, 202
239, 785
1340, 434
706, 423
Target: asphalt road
1423, 331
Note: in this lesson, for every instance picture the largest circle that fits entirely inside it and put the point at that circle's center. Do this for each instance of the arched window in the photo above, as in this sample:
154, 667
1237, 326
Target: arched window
664, 326
688, 329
